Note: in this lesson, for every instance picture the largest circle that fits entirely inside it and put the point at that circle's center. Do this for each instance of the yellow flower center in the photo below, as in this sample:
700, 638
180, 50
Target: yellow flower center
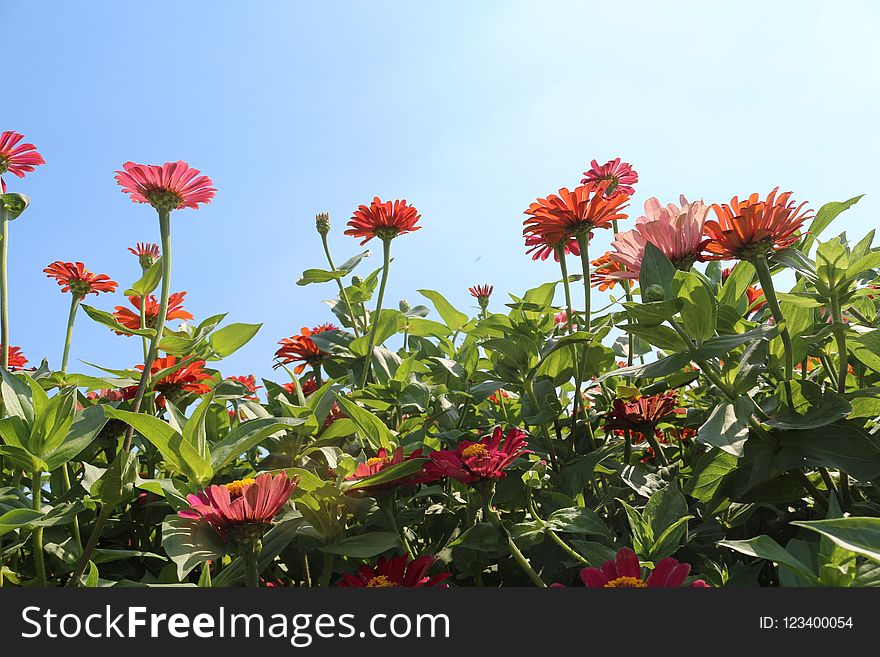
477, 450
238, 487
382, 582
376, 460
626, 583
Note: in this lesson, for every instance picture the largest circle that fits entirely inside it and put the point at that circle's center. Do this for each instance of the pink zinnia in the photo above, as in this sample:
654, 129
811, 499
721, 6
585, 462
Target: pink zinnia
244, 502
626, 572
395, 572
171, 186
471, 462
676, 231
17, 159
620, 175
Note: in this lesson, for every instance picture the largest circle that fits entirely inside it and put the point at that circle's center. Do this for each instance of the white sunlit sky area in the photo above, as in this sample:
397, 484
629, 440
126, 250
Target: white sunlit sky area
469, 110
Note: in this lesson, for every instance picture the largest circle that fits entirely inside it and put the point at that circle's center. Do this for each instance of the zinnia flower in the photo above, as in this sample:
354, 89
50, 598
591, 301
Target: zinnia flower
604, 274
171, 186
308, 386
383, 219
498, 396
17, 159
240, 506
751, 227
642, 413
620, 176
302, 349
75, 278
676, 231
558, 219
113, 394
481, 293
756, 298
186, 379
249, 382
146, 252
16, 359
132, 320
560, 318
540, 249
471, 462
398, 571
626, 572
382, 461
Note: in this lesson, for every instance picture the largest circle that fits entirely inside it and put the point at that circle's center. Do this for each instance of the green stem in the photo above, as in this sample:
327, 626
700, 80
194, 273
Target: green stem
563, 266
583, 241
374, 320
766, 280
71, 318
143, 312
65, 487
388, 503
165, 233
37, 494
251, 557
4, 288
487, 493
327, 570
103, 516
342, 293
553, 535
840, 338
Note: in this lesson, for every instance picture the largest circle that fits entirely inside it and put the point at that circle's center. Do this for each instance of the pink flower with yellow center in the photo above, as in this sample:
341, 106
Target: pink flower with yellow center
619, 175
472, 462
625, 571
170, 186
15, 158
396, 572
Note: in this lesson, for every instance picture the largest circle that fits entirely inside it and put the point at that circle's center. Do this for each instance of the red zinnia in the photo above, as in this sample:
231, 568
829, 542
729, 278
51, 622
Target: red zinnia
132, 320
249, 502
395, 572
383, 219
249, 382
186, 379
146, 252
558, 219
302, 349
113, 394
471, 462
481, 291
620, 176
16, 359
171, 186
642, 412
626, 572
752, 227
308, 386
17, 159
75, 278
498, 396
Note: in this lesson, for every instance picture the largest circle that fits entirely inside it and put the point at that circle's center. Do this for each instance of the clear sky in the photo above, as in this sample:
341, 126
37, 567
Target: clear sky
469, 110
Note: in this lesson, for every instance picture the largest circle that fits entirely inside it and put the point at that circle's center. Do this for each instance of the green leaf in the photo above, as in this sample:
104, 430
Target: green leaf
709, 472
814, 407
651, 370
52, 421
13, 204
387, 324
656, 269
369, 426
727, 427
86, 426
17, 397
642, 536
108, 320
578, 520
116, 485
310, 276
765, 547
194, 430
231, 338
189, 543
826, 214
482, 537
386, 475
92, 578
856, 534
654, 313
246, 436
148, 282
364, 546
698, 313
841, 447
454, 319
18, 519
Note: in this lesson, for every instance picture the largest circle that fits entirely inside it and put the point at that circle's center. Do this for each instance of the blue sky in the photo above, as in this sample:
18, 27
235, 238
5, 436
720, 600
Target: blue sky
469, 110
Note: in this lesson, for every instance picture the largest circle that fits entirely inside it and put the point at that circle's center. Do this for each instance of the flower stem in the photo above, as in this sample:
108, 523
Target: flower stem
327, 570
103, 516
568, 323
4, 288
627, 290
487, 492
583, 241
165, 233
374, 320
71, 318
143, 325
553, 535
37, 494
766, 280
251, 556
65, 487
342, 293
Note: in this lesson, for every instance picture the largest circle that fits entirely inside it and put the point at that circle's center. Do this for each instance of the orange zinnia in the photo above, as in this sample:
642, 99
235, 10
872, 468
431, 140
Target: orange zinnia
302, 349
132, 320
603, 276
75, 278
189, 378
750, 228
383, 219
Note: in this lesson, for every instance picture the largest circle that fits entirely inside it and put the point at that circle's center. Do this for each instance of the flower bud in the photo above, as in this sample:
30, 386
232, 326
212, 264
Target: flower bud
654, 293
322, 223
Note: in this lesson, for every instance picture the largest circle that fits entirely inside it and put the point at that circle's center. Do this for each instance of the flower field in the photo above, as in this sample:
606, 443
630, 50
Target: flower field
713, 423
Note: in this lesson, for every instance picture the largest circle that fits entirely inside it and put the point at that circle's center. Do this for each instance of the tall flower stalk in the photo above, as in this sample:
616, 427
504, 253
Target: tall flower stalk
322, 225
374, 319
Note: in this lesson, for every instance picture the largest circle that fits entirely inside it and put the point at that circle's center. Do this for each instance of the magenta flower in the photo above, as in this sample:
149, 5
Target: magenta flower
395, 572
171, 186
17, 159
626, 572
472, 462
246, 502
621, 175
676, 231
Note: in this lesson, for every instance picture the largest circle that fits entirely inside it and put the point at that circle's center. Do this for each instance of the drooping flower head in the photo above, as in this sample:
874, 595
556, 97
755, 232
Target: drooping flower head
619, 175
484, 460
16, 359
17, 159
170, 186
131, 319
643, 412
626, 572
383, 219
249, 382
146, 252
302, 349
481, 293
676, 230
382, 461
189, 378
242, 506
398, 571
557, 221
750, 228
76, 279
